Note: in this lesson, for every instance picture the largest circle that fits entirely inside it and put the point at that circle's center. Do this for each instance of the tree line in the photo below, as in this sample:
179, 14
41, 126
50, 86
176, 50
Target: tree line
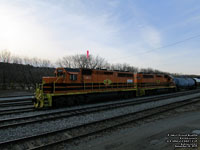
24, 72
75, 61
19, 76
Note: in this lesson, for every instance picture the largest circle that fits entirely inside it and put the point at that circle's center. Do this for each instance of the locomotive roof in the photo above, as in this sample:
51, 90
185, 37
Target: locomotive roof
98, 69
154, 73
72, 69
78, 70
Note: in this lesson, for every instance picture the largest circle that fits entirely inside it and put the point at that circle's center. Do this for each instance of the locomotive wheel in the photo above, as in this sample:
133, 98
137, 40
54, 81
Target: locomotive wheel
77, 100
70, 101
63, 101
58, 101
121, 95
80, 99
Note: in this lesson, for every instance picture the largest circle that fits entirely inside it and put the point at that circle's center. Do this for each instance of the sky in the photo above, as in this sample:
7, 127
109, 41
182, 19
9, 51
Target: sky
163, 35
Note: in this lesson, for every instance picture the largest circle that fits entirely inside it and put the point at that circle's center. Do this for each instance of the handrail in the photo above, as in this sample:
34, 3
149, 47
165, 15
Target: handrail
54, 84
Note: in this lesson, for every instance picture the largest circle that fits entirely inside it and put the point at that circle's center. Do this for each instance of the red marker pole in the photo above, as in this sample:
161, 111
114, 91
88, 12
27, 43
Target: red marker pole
87, 54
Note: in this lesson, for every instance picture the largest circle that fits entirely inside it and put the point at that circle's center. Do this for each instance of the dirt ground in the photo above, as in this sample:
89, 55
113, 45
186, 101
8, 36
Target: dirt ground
152, 134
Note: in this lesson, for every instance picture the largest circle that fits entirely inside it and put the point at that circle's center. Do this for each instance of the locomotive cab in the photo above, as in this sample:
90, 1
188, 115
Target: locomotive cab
60, 72
60, 75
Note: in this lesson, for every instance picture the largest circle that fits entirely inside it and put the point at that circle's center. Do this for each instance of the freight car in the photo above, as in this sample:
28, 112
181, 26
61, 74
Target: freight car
80, 85
184, 83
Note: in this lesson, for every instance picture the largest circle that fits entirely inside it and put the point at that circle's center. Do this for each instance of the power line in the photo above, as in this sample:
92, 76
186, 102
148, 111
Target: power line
165, 46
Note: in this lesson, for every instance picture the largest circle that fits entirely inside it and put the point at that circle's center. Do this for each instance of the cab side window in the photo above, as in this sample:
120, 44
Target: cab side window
73, 77
59, 74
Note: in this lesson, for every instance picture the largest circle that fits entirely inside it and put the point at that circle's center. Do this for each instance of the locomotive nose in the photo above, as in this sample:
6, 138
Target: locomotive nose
38, 100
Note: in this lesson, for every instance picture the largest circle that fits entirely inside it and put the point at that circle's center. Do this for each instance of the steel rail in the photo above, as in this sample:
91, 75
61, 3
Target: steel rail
16, 110
20, 121
117, 124
11, 96
102, 126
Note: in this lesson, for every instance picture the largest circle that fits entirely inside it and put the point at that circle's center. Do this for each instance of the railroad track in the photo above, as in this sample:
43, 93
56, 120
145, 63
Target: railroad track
16, 101
17, 110
20, 121
16, 96
8, 104
18, 104
5, 124
54, 139
27, 108
96, 127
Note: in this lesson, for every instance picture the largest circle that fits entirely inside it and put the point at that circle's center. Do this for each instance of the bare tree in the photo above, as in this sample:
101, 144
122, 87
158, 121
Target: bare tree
27, 61
150, 70
46, 63
81, 61
59, 63
5, 56
67, 61
97, 62
16, 60
36, 62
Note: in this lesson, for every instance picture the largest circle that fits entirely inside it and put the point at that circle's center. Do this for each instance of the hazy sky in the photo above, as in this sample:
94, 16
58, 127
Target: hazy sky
122, 31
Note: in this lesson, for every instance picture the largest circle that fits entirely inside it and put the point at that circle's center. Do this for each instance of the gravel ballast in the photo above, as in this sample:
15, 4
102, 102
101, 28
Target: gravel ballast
37, 128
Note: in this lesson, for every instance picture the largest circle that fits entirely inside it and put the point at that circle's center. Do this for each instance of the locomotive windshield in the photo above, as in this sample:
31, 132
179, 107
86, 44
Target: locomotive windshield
60, 73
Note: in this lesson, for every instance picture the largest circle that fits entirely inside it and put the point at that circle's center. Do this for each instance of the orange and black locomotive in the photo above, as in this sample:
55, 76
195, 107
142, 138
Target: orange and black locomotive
75, 85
